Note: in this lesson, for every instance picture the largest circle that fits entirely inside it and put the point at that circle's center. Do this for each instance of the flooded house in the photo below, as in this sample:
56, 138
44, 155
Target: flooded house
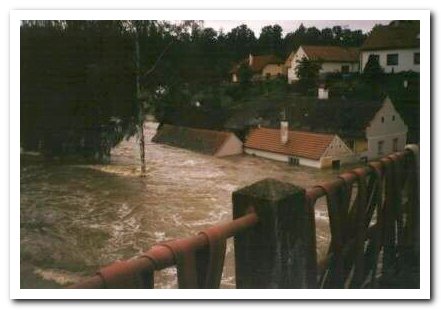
210, 142
317, 150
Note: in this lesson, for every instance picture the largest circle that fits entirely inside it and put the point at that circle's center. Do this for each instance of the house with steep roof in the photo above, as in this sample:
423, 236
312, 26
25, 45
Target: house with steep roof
333, 59
309, 149
210, 142
371, 129
396, 47
263, 67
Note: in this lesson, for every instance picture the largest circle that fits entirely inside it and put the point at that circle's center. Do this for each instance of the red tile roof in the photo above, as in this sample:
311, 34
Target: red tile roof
303, 144
332, 53
195, 139
401, 35
259, 62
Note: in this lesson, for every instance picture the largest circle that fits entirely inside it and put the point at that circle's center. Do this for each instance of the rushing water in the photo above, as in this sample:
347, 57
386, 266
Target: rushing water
76, 218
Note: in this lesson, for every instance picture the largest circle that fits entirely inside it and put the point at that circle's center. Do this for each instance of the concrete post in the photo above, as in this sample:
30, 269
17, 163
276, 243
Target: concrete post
280, 251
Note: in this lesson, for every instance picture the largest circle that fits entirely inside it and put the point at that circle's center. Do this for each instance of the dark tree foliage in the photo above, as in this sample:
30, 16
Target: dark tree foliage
270, 41
337, 36
308, 73
77, 87
78, 78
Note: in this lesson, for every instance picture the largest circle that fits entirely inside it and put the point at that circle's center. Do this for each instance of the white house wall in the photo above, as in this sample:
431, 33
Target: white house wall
292, 76
335, 67
384, 128
327, 67
232, 146
283, 158
405, 59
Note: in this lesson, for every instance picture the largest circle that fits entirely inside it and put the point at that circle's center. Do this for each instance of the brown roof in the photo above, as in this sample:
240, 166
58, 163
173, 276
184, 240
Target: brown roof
396, 35
195, 139
332, 53
259, 62
302, 144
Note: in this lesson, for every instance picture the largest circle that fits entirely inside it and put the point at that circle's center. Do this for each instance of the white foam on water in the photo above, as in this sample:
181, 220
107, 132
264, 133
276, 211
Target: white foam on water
61, 277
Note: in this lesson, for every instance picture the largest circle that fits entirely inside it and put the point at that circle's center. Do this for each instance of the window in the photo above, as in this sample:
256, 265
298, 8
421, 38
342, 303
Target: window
395, 145
416, 58
380, 150
393, 117
294, 161
382, 119
345, 69
392, 59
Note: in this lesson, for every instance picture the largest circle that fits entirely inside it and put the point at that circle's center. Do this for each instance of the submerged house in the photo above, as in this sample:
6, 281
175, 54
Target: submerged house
310, 149
210, 142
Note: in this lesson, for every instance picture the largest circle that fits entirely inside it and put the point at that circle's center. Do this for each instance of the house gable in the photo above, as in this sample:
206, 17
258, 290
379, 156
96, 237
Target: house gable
386, 121
337, 148
231, 146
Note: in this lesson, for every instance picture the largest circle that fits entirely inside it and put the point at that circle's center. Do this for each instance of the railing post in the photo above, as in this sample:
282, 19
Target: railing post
279, 252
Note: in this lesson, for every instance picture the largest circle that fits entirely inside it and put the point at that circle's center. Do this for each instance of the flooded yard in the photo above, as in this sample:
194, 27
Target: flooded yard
76, 218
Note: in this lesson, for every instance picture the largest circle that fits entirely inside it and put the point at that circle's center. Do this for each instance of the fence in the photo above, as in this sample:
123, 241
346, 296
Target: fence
374, 223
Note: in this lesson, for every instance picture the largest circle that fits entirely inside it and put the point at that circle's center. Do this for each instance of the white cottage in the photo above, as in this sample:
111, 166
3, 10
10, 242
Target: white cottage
333, 59
396, 47
298, 148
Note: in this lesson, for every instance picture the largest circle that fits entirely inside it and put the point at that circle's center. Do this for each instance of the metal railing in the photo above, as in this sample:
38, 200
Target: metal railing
374, 224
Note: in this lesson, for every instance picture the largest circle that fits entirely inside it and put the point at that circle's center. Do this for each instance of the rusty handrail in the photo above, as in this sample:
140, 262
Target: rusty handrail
138, 272
161, 256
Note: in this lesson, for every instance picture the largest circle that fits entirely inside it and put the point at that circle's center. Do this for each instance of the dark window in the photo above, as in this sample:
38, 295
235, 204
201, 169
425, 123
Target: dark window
268, 76
416, 58
382, 119
335, 164
380, 147
293, 161
393, 117
344, 69
395, 145
392, 59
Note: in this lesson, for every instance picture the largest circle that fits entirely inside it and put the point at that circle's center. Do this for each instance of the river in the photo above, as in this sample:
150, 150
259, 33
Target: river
76, 218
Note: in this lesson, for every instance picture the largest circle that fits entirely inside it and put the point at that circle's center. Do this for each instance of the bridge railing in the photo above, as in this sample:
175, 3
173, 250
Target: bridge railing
374, 224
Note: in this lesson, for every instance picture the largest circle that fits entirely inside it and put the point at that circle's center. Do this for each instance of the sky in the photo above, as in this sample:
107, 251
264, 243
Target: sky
292, 25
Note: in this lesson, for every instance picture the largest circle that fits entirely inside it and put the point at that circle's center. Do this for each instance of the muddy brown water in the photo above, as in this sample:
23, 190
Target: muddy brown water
76, 218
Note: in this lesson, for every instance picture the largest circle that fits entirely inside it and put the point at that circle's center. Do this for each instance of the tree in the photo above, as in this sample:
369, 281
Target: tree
245, 74
77, 87
241, 41
373, 76
308, 73
270, 40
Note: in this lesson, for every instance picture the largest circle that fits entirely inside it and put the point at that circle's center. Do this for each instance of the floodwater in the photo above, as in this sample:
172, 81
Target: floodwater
76, 218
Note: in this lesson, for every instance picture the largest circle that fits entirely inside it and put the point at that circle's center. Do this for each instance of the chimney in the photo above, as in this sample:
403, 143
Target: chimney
284, 132
323, 92
251, 59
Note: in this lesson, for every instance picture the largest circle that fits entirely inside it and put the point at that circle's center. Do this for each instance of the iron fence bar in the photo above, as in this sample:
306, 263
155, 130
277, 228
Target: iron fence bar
159, 257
